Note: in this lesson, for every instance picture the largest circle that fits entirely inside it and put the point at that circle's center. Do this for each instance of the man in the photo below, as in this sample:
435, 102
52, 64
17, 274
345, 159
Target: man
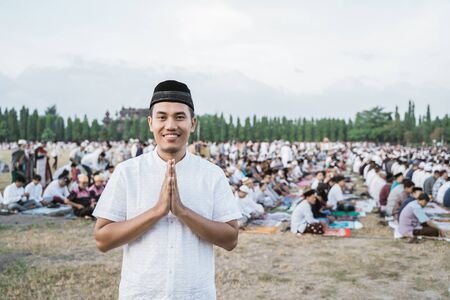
398, 179
19, 160
81, 196
439, 182
15, 198
416, 191
302, 220
57, 193
408, 187
320, 176
429, 182
414, 222
249, 208
168, 208
34, 189
336, 195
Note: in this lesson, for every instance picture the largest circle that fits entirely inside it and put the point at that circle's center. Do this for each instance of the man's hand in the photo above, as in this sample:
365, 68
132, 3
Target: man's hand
163, 205
176, 206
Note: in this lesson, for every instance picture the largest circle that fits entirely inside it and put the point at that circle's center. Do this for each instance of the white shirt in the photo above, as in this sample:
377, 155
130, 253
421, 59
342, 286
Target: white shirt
301, 217
54, 189
13, 194
249, 206
35, 191
335, 195
440, 194
169, 261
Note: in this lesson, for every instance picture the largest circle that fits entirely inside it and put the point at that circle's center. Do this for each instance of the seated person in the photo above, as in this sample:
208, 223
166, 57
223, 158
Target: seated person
414, 222
34, 189
57, 192
97, 188
250, 209
416, 191
82, 198
265, 197
302, 220
336, 199
15, 198
320, 176
384, 194
408, 186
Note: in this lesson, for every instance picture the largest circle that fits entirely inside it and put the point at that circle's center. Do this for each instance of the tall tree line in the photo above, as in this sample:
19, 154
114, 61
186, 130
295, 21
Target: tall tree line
376, 125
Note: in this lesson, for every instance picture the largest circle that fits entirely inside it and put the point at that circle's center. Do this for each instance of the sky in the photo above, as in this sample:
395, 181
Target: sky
271, 58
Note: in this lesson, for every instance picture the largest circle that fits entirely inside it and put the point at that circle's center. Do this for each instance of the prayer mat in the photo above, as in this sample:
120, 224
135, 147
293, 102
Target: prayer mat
443, 225
346, 224
434, 208
345, 213
263, 230
343, 232
52, 212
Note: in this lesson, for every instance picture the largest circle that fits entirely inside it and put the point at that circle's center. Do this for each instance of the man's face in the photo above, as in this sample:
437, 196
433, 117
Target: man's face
416, 194
320, 176
19, 184
83, 184
423, 203
171, 124
35, 181
242, 194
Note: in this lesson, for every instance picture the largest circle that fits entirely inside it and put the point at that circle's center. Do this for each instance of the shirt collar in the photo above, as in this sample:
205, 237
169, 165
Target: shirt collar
162, 163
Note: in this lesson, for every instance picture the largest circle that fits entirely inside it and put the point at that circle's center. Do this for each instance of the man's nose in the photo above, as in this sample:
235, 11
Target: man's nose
170, 123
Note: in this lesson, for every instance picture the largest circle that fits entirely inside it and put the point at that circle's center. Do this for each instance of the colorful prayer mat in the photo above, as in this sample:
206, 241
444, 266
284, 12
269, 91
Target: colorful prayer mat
343, 232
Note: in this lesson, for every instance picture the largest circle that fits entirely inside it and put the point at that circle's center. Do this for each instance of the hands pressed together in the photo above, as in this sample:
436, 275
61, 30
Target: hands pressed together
169, 198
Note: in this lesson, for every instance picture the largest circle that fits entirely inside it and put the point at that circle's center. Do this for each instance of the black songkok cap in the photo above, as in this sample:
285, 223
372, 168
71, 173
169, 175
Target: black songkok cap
398, 175
309, 193
172, 91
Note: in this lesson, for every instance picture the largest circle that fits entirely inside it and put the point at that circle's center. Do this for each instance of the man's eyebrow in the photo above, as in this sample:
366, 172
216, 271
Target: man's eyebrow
161, 113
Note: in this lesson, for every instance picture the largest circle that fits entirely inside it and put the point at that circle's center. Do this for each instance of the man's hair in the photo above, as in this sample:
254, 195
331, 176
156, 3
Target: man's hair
20, 178
415, 189
37, 177
423, 196
191, 112
408, 183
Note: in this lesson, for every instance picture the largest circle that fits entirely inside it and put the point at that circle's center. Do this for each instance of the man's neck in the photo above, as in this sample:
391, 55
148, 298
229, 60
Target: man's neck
167, 156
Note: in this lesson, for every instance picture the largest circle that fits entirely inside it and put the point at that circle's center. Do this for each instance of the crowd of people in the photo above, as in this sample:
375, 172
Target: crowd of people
308, 180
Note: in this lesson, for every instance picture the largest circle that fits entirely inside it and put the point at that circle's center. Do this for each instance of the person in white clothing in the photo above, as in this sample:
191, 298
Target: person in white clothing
302, 220
15, 198
168, 208
34, 189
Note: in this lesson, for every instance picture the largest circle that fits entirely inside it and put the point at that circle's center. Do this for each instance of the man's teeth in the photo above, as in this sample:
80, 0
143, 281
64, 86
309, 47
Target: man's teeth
171, 135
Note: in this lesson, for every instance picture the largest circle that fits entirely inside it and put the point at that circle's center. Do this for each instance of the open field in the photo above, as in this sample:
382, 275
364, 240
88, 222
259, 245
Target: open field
55, 258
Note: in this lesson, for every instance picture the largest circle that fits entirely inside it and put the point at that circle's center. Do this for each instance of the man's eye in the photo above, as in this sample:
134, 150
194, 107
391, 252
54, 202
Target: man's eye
161, 118
180, 118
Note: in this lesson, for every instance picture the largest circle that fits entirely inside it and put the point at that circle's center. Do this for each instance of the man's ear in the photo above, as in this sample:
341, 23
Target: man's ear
149, 121
193, 124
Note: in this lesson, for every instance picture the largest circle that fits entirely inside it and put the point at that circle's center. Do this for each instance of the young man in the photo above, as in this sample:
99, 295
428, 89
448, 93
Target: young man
408, 187
302, 220
168, 208
34, 190
416, 191
414, 222
336, 196
15, 198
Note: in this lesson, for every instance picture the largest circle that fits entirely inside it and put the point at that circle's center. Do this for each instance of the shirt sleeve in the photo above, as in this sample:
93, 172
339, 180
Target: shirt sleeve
225, 205
309, 217
112, 204
420, 214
